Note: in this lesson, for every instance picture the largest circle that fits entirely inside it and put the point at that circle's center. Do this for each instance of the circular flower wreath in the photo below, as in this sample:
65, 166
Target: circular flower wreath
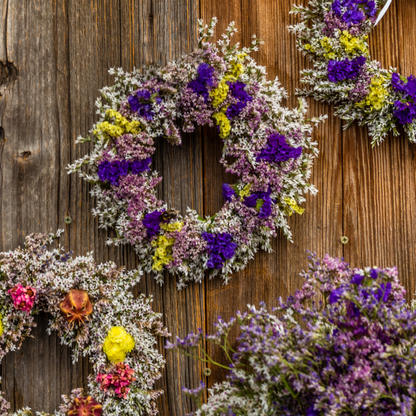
336, 41
270, 145
93, 312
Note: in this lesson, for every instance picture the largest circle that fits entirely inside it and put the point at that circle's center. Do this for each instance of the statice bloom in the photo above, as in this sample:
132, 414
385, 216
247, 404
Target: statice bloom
278, 150
408, 88
262, 201
152, 222
237, 90
23, 297
220, 247
346, 69
405, 111
227, 192
353, 353
354, 12
140, 103
204, 80
112, 171
194, 392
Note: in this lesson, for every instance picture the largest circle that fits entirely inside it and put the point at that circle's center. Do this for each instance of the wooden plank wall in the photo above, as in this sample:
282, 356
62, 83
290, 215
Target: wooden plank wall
55, 55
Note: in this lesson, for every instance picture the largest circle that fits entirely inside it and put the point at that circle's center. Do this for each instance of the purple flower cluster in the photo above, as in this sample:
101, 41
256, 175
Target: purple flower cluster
346, 69
204, 80
227, 192
220, 247
152, 222
112, 171
140, 102
354, 12
237, 90
278, 150
353, 353
405, 110
261, 201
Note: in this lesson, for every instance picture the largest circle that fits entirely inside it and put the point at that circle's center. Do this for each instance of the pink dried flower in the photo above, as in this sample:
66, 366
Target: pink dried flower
23, 297
122, 392
119, 380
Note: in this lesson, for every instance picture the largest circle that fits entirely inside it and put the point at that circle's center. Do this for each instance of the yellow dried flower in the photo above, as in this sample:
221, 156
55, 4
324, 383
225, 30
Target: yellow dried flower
245, 191
117, 344
219, 94
352, 45
121, 125
294, 207
223, 122
163, 244
377, 96
1, 325
309, 47
174, 226
326, 43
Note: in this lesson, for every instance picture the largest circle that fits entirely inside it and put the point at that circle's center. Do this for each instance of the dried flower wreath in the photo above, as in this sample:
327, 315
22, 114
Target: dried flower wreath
270, 145
334, 33
92, 311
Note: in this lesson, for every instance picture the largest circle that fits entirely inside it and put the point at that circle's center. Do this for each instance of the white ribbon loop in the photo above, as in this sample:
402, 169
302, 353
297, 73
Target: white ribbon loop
383, 11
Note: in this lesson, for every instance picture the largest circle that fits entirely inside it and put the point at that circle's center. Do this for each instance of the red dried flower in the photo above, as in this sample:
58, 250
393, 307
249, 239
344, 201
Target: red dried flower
85, 406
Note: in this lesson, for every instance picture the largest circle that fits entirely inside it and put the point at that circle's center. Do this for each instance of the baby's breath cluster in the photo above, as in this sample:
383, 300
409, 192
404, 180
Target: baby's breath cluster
268, 146
93, 311
334, 35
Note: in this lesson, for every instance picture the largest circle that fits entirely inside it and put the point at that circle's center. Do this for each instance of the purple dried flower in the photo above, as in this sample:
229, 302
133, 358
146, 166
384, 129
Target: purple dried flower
262, 201
237, 90
112, 171
220, 248
205, 78
336, 295
140, 103
278, 150
354, 12
152, 222
357, 279
346, 69
227, 192
405, 111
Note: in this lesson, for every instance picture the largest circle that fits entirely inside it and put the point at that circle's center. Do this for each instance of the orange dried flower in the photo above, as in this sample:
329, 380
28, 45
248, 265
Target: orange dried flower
85, 406
76, 306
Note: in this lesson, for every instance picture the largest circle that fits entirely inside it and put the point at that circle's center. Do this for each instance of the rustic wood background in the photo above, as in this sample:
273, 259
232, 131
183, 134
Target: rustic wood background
54, 56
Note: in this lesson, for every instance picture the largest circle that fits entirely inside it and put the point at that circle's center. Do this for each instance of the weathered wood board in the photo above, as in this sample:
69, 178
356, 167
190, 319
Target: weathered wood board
55, 55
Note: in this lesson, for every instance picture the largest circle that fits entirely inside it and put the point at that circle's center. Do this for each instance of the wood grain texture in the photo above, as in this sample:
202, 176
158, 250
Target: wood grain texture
54, 57
62, 50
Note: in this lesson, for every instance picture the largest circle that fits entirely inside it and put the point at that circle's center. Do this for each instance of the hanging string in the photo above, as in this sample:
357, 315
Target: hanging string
383, 11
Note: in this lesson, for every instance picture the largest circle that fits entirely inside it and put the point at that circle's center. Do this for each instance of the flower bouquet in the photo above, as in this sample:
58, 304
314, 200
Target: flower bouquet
342, 345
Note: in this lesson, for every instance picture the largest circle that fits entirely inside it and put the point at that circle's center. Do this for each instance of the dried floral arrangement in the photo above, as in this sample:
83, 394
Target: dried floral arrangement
334, 35
94, 313
352, 353
270, 147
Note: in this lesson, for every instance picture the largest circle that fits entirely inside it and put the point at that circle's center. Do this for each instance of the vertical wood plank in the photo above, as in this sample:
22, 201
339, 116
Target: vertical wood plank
319, 229
379, 184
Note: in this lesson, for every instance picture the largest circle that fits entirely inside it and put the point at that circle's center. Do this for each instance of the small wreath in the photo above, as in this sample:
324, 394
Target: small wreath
270, 145
93, 312
336, 42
